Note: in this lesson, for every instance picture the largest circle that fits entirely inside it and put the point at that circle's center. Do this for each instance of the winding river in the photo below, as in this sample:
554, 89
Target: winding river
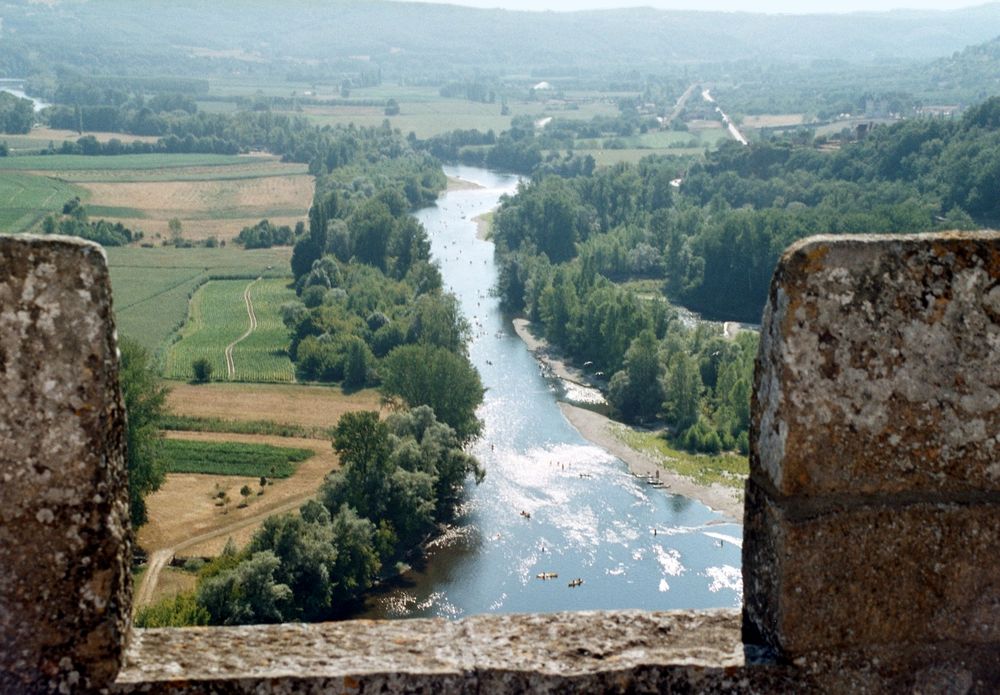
633, 546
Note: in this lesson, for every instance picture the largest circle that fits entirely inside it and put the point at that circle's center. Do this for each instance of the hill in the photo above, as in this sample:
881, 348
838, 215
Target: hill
414, 40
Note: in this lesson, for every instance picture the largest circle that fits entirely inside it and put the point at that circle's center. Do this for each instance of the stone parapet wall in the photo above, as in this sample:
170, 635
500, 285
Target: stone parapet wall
65, 582
873, 504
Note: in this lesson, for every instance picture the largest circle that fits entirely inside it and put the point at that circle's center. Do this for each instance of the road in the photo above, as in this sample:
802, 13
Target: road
679, 106
733, 130
230, 364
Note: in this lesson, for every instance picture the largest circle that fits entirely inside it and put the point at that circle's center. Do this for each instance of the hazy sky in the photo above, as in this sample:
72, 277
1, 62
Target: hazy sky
788, 6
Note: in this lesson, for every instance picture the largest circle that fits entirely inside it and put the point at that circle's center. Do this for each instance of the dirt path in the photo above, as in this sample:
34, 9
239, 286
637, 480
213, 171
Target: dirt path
160, 558
230, 365
183, 516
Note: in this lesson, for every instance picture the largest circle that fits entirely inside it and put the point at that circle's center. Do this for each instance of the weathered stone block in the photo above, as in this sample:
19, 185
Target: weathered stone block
831, 578
879, 367
65, 586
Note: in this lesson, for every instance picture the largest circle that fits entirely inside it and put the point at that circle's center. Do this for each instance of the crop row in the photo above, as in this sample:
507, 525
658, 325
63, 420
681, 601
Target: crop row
231, 458
218, 317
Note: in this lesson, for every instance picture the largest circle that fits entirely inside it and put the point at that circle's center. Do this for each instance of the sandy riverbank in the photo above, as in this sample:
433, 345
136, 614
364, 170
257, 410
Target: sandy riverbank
599, 429
456, 184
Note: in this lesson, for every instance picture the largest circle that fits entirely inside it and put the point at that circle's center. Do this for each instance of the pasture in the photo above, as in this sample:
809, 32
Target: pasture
25, 199
219, 318
76, 162
152, 287
230, 458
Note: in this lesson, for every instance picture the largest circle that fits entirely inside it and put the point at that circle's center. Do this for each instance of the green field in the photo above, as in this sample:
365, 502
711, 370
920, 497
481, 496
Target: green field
230, 458
152, 287
425, 112
218, 317
26, 199
262, 355
605, 158
74, 162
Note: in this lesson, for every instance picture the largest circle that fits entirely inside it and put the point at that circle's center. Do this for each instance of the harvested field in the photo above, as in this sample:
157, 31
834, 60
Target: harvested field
773, 120
185, 506
312, 406
45, 135
207, 200
194, 229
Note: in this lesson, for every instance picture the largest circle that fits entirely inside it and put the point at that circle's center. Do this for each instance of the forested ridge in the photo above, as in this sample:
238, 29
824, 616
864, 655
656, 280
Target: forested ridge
185, 38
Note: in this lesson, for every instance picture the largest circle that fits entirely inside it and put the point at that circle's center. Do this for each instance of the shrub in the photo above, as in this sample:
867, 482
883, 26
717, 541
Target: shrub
202, 370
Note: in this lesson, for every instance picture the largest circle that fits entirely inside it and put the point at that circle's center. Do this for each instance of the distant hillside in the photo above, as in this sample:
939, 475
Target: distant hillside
184, 36
970, 75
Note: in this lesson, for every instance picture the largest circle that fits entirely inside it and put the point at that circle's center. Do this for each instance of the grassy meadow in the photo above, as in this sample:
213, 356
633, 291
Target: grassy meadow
25, 199
727, 469
231, 458
152, 287
218, 317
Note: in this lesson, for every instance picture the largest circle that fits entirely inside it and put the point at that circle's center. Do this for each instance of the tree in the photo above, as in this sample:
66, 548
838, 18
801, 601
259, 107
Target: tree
144, 399
356, 363
247, 593
636, 392
391, 107
202, 370
432, 376
683, 391
362, 442
176, 228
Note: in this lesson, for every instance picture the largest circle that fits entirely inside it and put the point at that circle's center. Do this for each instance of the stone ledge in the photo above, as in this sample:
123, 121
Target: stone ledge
595, 651
591, 652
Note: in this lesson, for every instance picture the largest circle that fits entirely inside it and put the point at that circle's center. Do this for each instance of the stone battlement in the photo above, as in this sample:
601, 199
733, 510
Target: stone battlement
872, 523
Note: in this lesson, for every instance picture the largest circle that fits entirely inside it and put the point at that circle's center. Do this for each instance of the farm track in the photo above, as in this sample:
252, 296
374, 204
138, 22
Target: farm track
287, 496
160, 558
230, 364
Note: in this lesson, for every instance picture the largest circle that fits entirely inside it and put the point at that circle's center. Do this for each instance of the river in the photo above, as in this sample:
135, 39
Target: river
633, 546
15, 87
